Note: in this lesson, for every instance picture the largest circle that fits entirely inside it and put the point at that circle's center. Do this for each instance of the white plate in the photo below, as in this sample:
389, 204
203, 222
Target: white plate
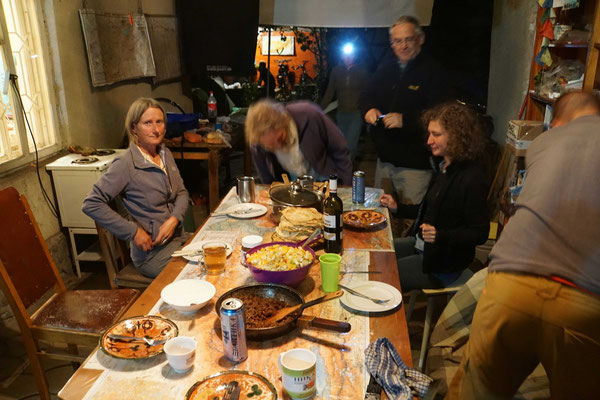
198, 246
188, 294
377, 290
246, 210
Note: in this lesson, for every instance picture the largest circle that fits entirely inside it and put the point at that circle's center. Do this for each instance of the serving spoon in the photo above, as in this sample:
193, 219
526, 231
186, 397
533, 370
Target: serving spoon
284, 312
311, 238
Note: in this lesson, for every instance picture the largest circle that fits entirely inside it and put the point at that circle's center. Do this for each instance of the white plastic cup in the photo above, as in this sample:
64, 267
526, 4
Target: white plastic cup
181, 353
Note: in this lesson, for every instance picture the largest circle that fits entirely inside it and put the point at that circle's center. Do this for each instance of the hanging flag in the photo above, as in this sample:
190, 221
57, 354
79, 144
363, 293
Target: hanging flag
547, 30
543, 58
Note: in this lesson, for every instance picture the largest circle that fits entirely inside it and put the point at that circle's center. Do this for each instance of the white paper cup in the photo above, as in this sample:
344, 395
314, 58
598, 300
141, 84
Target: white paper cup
181, 352
298, 373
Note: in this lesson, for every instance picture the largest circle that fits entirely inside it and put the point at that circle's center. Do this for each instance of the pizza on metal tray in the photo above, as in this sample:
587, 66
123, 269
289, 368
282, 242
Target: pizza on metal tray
363, 218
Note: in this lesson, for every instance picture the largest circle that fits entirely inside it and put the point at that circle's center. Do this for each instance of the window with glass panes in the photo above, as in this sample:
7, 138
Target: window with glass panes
23, 56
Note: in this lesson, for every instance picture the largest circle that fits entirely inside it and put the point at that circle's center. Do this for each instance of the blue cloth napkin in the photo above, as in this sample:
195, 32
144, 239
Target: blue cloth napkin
388, 369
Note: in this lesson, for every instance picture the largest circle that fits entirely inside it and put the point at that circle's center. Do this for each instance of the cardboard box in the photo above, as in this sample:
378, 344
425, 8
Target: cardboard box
521, 133
524, 130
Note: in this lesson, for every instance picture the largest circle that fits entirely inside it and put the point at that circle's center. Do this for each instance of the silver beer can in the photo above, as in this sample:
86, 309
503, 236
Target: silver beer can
358, 187
233, 329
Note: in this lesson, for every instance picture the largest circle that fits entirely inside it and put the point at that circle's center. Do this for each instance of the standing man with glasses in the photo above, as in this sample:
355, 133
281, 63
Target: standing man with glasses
402, 87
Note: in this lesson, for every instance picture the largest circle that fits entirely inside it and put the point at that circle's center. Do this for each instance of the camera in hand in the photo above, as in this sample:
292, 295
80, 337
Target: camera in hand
379, 121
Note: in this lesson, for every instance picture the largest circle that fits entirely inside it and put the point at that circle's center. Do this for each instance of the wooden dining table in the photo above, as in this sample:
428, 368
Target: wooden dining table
212, 154
341, 373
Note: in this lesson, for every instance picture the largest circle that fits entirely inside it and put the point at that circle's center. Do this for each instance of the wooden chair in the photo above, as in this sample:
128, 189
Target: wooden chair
120, 269
31, 282
431, 295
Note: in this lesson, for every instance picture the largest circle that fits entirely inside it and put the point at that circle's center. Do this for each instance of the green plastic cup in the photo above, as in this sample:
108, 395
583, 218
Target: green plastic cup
330, 271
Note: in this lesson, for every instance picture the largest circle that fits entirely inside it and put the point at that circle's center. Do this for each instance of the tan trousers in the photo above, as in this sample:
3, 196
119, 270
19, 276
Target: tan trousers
522, 320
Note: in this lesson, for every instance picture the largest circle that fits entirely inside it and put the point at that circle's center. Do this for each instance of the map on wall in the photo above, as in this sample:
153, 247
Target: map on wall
165, 46
118, 47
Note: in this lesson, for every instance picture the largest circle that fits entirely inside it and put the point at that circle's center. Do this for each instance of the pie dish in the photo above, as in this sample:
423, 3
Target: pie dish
150, 327
363, 219
253, 386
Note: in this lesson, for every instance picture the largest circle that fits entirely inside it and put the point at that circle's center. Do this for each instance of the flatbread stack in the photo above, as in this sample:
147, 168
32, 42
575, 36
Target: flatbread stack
297, 224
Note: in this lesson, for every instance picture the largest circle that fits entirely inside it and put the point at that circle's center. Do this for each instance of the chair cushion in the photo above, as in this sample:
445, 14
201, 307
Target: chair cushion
85, 310
130, 275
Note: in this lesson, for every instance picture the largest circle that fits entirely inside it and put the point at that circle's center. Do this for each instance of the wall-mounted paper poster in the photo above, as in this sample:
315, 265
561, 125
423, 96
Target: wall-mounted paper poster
279, 47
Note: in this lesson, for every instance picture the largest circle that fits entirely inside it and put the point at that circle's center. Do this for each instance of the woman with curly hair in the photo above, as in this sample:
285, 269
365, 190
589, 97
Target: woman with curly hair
452, 218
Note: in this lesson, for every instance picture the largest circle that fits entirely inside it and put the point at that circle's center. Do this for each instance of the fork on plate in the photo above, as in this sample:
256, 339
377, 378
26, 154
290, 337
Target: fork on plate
354, 292
149, 341
236, 212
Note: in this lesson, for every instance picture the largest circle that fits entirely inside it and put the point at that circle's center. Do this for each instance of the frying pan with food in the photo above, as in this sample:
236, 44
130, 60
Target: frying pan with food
284, 294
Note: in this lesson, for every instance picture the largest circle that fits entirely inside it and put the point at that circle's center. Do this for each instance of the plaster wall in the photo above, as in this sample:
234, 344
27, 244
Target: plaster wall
94, 116
513, 32
84, 115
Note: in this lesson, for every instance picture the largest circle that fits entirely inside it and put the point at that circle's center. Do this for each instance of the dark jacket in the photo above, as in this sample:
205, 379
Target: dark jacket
460, 217
321, 143
423, 84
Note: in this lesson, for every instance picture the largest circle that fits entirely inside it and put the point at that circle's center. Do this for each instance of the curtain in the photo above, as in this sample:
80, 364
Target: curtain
342, 13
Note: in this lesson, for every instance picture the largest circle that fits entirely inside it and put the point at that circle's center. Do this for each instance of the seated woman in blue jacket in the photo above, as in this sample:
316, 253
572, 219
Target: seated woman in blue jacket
296, 139
453, 218
148, 182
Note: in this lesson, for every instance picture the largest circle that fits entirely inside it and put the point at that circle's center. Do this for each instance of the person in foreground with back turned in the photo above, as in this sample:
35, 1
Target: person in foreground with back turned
148, 181
452, 218
297, 139
541, 302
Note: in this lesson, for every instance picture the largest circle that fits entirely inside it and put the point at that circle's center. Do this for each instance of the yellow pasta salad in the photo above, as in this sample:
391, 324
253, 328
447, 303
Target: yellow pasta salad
279, 258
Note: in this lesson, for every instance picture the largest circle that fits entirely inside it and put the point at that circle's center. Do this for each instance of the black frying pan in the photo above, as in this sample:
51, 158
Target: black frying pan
282, 293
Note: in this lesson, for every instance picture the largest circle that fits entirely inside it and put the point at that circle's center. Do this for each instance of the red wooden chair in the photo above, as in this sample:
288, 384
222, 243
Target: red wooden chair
31, 283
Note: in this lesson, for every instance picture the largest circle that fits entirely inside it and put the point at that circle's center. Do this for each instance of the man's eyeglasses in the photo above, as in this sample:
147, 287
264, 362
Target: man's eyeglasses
400, 42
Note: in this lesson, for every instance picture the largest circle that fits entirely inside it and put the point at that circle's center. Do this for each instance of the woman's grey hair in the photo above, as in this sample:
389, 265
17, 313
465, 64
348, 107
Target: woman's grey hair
408, 19
136, 109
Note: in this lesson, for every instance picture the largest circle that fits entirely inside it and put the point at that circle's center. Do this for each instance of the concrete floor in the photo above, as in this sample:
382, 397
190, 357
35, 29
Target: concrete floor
15, 384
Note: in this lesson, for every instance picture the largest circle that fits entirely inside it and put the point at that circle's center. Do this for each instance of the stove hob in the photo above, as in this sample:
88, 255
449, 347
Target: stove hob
85, 160
104, 152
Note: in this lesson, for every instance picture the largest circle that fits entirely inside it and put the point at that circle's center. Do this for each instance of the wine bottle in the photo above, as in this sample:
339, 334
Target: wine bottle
332, 210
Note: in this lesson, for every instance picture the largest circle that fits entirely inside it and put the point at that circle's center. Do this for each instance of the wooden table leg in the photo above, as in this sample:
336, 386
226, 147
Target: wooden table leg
213, 179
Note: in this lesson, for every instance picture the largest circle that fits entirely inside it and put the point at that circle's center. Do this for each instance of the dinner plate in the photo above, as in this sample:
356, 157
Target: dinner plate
214, 386
378, 290
246, 210
363, 219
198, 246
150, 326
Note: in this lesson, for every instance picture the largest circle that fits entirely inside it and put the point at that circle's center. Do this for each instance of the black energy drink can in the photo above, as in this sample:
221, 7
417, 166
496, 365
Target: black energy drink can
358, 187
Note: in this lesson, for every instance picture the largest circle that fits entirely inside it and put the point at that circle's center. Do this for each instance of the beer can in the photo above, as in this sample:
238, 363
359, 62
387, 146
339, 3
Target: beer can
233, 329
358, 187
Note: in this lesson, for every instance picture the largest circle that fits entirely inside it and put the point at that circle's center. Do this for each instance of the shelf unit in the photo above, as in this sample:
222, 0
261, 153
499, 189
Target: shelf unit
587, 14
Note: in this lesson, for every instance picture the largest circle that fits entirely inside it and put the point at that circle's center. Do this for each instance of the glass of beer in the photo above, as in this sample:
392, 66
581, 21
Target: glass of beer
215, 254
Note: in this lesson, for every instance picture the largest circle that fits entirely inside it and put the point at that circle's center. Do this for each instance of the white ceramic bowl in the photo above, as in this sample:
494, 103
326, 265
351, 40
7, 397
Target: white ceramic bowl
188, 294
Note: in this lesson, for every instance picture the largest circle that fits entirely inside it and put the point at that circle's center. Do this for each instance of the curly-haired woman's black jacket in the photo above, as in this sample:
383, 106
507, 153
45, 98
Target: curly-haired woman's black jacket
458, 213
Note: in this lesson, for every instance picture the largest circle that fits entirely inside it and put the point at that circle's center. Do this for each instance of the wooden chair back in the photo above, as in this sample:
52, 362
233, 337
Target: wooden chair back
28, 273
25, 262
119, 267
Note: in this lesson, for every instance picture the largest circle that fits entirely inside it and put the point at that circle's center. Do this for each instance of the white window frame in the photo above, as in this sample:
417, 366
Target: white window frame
33, 8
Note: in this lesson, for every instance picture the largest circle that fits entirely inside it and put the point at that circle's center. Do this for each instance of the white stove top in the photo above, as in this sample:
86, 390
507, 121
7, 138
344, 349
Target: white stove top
91, 163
